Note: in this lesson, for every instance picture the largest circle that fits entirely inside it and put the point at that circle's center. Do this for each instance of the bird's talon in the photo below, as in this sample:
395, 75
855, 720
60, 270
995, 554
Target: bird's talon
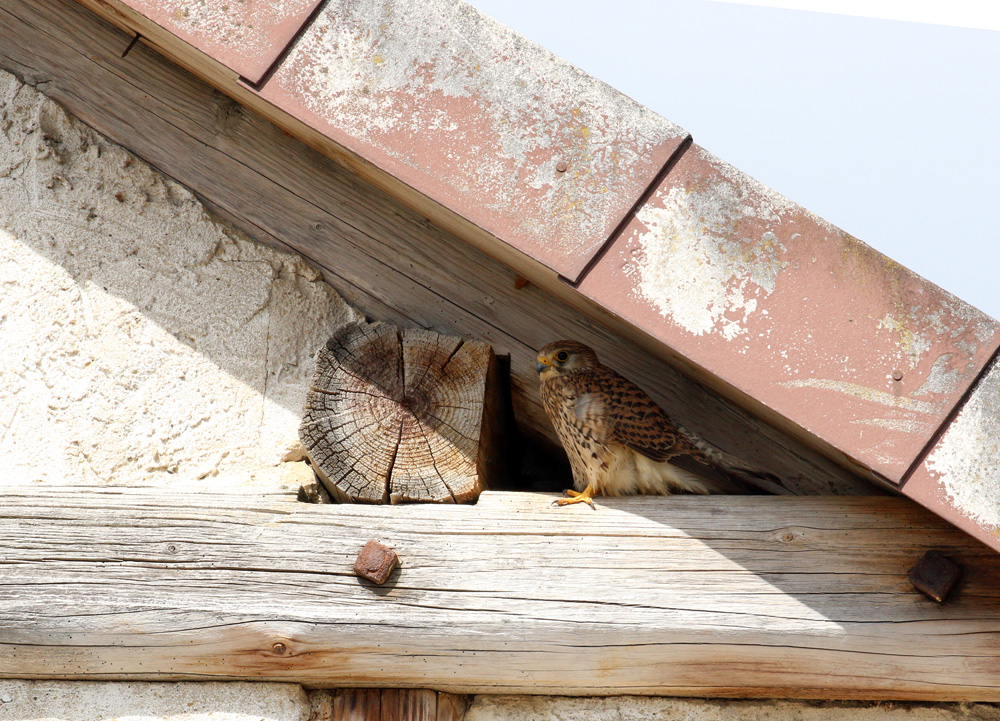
576, 498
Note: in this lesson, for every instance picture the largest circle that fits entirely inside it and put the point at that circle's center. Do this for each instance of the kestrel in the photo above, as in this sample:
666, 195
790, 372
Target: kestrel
619, 442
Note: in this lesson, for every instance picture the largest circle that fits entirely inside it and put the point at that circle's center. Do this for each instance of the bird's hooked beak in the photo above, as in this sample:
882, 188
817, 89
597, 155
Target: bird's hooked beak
542, 365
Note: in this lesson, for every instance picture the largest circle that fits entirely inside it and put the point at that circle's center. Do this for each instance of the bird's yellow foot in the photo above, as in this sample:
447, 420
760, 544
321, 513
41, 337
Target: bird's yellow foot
576, 497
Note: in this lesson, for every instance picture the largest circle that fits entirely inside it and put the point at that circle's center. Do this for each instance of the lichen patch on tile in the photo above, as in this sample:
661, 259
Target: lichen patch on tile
966, 461
795, 313
246, 36
694, 272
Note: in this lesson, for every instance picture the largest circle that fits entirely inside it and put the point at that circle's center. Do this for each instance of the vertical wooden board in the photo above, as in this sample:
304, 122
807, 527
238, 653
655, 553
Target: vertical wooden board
499, 455
366, 704
400, 704
452, 707
356, 704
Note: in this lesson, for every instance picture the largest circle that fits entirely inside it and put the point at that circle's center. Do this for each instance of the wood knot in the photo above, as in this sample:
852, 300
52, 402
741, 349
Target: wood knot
788, 535
279, 648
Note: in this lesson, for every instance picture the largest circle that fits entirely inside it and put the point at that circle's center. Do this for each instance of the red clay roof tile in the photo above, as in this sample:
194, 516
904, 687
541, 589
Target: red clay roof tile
478, 118
794, 312
246, 36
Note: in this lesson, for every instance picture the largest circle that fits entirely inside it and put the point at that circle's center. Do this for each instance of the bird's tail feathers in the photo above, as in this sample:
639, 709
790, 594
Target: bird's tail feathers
744, 476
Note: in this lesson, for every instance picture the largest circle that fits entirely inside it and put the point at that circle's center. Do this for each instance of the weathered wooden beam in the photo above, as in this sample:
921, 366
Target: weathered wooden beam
717, 596
385, 258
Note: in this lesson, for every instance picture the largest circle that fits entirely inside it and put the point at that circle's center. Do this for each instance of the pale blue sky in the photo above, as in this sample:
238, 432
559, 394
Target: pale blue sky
888, 129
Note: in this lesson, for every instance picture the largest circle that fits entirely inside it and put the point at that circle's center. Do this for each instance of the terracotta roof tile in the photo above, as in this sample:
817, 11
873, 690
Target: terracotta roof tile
794, 312
247, 36
480, 119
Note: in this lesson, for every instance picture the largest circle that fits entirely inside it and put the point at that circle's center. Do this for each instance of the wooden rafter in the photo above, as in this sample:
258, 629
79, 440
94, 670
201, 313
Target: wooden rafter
737, 596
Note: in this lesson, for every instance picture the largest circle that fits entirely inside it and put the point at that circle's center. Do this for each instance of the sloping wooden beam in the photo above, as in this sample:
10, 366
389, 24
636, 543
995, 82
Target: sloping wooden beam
693, 596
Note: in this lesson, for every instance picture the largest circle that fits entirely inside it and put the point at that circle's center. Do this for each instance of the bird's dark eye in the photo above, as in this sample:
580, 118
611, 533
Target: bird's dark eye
561, 356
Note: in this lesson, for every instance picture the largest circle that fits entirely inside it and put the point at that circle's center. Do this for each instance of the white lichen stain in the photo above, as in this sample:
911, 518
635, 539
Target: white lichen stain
901, 425
912, 341
967, 459
942, 378
865, 393
945, 318
516, 110
692, 268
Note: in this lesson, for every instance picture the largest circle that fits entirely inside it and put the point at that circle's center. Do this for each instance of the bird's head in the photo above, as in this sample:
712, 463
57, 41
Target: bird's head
564, 356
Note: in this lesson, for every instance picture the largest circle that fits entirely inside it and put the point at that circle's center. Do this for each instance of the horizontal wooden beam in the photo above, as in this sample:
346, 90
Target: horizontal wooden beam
698, 596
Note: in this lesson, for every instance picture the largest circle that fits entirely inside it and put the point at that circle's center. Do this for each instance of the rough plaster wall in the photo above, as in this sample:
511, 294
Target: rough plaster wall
638, 708
143, 341
101, 701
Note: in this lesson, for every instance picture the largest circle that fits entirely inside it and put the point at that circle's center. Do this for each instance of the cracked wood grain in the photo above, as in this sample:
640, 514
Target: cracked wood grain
401, 415
802, 597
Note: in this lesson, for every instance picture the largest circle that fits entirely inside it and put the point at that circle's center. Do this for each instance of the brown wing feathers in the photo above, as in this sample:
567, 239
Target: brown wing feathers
638, 423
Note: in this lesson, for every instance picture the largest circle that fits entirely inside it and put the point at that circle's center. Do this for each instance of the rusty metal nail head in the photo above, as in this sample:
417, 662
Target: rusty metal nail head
562, 166
935, 575
520, 281
897, 375
279, 648
375, 562
171, 548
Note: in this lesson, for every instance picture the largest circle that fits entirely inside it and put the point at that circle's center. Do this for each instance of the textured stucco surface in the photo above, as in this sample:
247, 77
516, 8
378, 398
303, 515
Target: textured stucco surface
637, 708
143, 341
139, 701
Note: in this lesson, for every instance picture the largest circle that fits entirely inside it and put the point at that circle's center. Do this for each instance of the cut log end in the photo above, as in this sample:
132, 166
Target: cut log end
396, 416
